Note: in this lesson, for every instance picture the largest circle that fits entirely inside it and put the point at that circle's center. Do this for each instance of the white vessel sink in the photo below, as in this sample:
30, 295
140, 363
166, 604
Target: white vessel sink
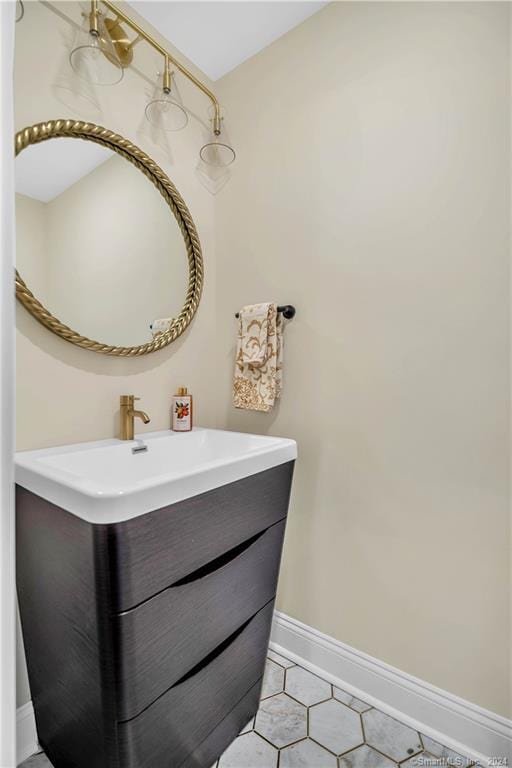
105, 482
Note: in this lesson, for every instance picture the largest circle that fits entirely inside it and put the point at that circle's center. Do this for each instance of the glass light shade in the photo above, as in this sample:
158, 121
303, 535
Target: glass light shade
217, 153
94, 57
164, 111
167, 114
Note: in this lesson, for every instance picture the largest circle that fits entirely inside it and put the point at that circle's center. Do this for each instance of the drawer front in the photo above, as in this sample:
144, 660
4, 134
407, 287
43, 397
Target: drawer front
162, 639
219, 739
150, 552
177, 723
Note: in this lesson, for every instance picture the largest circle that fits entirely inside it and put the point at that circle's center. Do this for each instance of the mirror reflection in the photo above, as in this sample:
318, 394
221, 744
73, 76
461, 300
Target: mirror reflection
96, 242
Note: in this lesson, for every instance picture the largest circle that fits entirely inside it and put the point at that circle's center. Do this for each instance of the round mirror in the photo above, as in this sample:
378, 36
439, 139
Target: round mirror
107, 253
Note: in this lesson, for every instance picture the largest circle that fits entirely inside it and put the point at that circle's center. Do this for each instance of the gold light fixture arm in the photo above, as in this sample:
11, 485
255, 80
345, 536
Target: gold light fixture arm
93, 18
167, 75
141, 33
135, 40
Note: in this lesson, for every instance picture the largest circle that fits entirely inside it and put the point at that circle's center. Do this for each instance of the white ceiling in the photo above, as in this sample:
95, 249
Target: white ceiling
218, 36
43, 171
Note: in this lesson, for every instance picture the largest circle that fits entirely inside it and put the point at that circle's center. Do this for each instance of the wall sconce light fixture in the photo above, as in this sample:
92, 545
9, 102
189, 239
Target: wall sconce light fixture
103, 50
217, 151
94, 56
163, 110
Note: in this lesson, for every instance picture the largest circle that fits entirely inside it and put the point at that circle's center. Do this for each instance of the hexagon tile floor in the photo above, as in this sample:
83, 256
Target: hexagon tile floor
305, 722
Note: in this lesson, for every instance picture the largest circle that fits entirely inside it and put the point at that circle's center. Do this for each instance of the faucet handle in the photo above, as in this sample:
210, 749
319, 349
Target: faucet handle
128, 399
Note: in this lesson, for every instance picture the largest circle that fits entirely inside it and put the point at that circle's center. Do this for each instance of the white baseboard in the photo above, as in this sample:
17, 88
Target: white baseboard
26, 735
458, 724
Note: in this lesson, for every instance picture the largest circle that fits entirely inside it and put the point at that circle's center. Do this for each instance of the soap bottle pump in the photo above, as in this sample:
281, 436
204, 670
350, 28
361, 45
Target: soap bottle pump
182, 411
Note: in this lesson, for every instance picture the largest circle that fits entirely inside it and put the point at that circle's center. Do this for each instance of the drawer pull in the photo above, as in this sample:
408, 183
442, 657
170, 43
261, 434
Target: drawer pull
218, 562
213, 654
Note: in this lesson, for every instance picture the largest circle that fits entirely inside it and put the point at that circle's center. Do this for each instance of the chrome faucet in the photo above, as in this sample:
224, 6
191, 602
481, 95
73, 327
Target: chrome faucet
128, 416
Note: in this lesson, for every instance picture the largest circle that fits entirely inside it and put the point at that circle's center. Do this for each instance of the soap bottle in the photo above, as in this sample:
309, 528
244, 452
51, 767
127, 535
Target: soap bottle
182, 411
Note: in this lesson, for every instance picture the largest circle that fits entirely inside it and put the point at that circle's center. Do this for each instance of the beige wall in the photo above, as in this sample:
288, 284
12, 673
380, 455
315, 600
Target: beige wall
372, 191
66, 394
31, 247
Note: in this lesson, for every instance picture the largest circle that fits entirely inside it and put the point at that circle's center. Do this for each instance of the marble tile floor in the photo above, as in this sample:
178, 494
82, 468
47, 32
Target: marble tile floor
305, 722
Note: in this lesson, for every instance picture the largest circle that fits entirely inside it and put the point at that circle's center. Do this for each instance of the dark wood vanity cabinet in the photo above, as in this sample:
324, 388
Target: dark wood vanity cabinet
146, 639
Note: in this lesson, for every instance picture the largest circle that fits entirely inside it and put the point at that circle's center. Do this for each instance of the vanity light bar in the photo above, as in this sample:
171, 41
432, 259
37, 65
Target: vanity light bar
168, 58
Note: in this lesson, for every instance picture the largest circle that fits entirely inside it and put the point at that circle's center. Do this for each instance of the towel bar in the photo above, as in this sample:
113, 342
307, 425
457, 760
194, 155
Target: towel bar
287, 309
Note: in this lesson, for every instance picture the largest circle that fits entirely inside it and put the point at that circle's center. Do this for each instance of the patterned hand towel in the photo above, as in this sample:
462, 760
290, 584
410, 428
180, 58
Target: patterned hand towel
259, 358
254, 321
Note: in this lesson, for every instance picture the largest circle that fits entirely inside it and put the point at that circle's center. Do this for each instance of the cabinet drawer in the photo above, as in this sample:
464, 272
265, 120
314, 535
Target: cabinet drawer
148, 553
168, 732
162, 639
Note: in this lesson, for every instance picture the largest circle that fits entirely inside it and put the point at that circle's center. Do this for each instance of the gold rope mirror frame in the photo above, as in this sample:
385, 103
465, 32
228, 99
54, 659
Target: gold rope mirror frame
90, 132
